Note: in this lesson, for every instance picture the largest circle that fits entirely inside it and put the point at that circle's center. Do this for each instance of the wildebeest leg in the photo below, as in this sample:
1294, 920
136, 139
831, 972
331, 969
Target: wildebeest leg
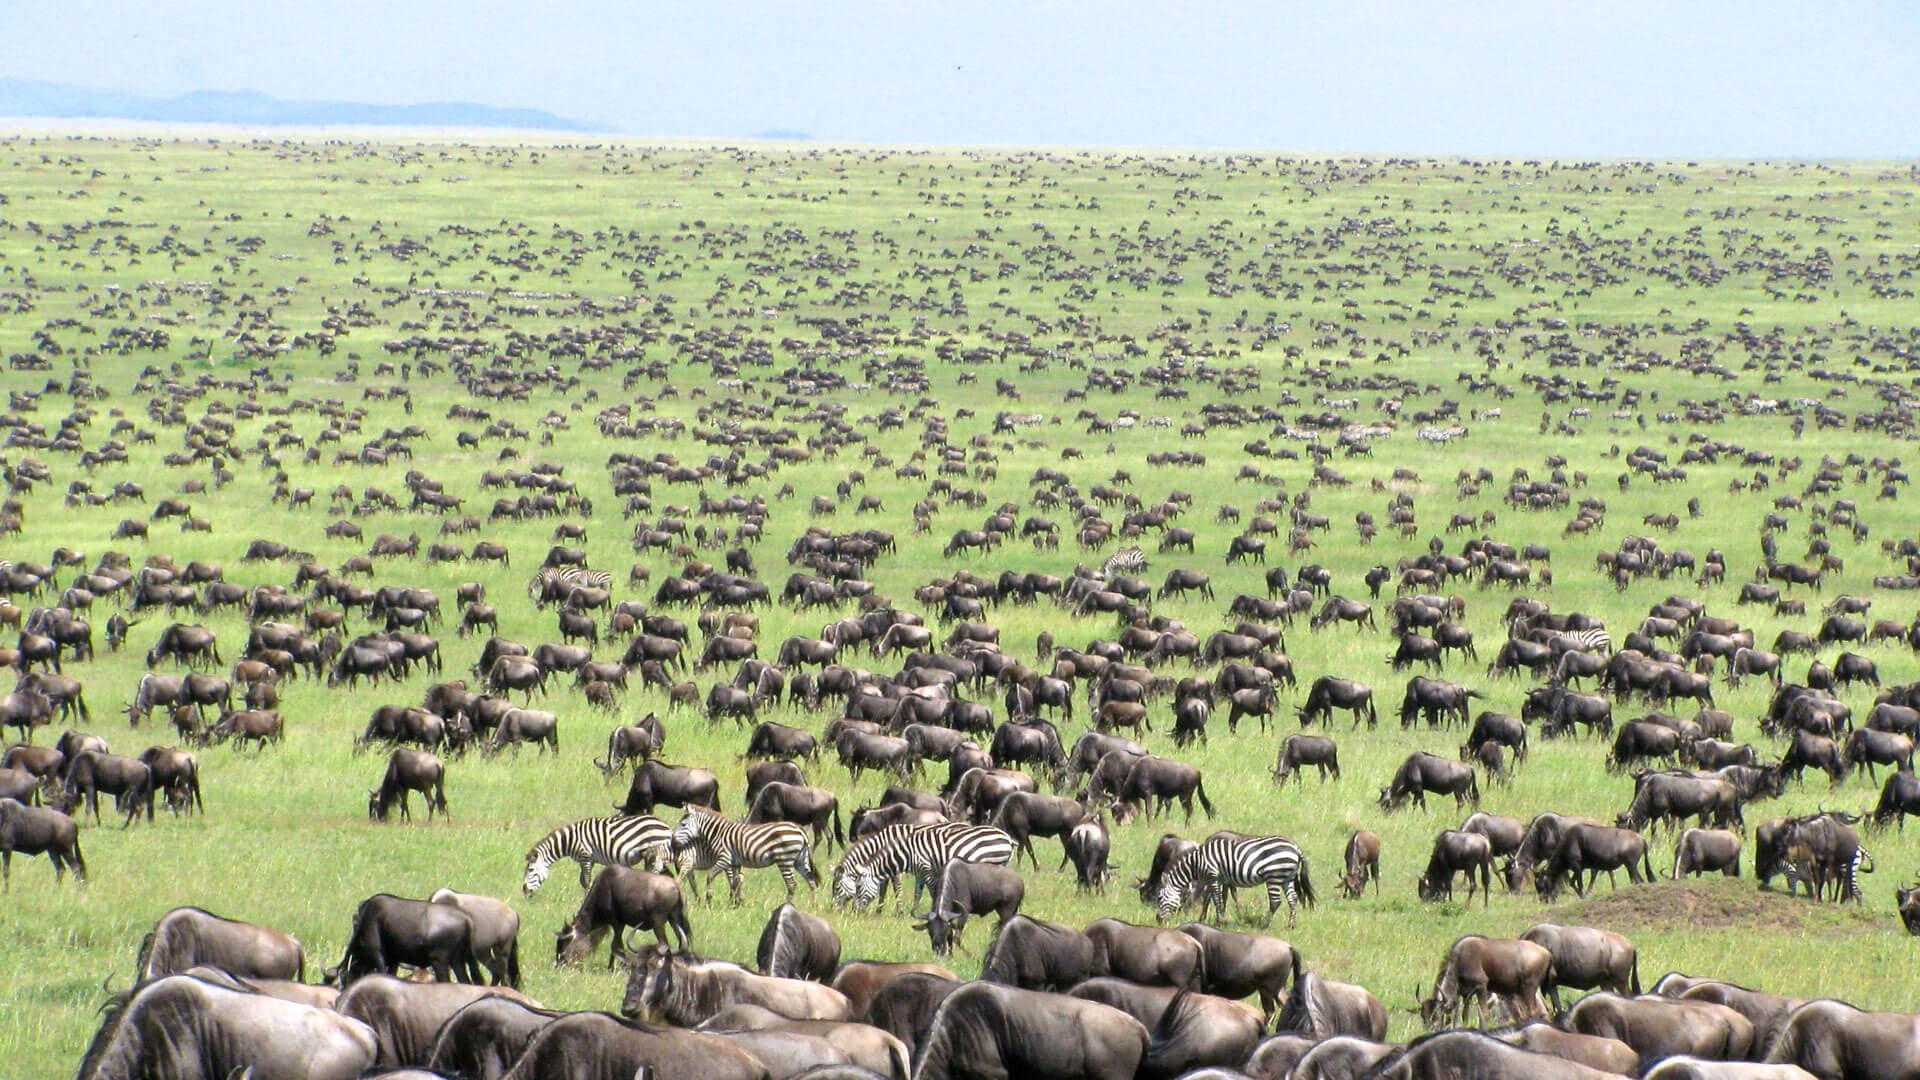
6, 870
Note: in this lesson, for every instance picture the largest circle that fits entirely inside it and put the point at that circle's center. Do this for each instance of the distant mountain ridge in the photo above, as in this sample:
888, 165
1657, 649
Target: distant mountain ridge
27, 97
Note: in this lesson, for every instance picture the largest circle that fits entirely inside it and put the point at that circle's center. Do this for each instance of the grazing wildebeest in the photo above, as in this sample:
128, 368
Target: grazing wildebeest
406, 1015
619, 898
190, 645
655, 783
1585, 958
796, 945
1899, 797
1835, 1041
390, 932
1189, 1030
981, 1029
1236, 965
815, 808
36, 830
1362, 864
1594, 848
772, 740
1464, 1053
1148, 955
1866, 748
496, 933
632, 742
1322, 1009
1329, 693
91, 772
1660, 1027
182, 1026
1037, 955
965, 889
1422, 773
596, 1046
1478, 969
523, 726
409, 770
188, 937
1297, 751
1023, 815
685, 990
1455, 851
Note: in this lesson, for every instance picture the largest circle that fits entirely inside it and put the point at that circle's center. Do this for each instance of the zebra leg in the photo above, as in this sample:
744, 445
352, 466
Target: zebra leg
586, 868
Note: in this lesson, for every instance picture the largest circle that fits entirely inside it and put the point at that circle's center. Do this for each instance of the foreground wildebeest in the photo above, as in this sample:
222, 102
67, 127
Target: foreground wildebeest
867, 982
1235, 965
1328, 693
177, 773
180, 1026
1835, 1041
1660, 1027
1188, 1030
409, 770
620, 898
983, 1029
390, 932
496, 933
1297, 751
1866, 748
965, 889
687, 991
189, 936
1478, 969
595, 1046
1765, 1011
188, 645
655, 783
1148, 955
484, 1039
36, 830
1321, 1009
1037, 955
1422, 773
1585, 959
796, 945
1456, 851
1594, 848
1449, 1054
1088, 847
406, 1015
1899, 797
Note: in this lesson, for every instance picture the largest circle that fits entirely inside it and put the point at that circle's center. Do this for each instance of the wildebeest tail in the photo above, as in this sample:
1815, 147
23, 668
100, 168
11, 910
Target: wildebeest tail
1161, 1039
146, 951
513, 962
1200, 789
1633, 975
839, 834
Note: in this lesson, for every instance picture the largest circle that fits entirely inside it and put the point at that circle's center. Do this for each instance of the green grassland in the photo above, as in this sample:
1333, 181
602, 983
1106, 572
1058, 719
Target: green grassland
1686, 282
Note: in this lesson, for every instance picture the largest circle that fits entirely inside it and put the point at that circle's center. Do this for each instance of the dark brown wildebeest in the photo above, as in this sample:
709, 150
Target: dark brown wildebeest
1593, 848
1478, 969
1298, 751
1329, 693
772, 740
1322, 1009
796, 945
523, 726
177, 773
1701, 851
496, 933
619, 898
25, 709
1672, 798
390, 932
1585, 959
404, 1015
982, 1029
1189, 1030
591, 1044
1148, 955
1039, 955
686, 991
409, 770
1088, 846
866, 985
815, 808
1422, 773
1023, 815
655, 783
188, 937
1455, 851
1818, 751
1899, 797
1659, 1027
233, 1033
1339, 609
1362, 864
258, 726
35, 830
91, 772
1236, 965
1471, 1053
485, 1038
188, 645
963, 890
1866, 748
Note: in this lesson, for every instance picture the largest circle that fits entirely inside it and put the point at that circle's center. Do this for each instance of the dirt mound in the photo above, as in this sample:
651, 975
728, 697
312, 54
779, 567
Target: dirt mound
1711, 905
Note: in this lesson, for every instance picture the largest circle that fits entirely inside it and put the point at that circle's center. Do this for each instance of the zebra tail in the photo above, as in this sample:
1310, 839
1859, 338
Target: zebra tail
1304, 885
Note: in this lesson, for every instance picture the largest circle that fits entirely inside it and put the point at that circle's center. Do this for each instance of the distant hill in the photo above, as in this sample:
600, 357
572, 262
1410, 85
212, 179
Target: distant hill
26, 97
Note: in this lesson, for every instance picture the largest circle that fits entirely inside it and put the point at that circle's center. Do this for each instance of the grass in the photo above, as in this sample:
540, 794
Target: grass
1686, 283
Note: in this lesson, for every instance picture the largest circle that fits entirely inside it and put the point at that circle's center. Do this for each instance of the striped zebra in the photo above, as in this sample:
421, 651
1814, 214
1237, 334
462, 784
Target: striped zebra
875, 861
639, 839
558, 582
1128, 560
1230, 861
1441, 434
1592, 639
728, 846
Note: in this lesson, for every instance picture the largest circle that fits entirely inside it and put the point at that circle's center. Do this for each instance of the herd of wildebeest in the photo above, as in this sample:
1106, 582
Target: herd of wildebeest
975, 736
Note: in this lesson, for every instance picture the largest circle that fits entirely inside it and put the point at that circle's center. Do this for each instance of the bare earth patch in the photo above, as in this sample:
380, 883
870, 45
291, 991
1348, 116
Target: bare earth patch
1713, 905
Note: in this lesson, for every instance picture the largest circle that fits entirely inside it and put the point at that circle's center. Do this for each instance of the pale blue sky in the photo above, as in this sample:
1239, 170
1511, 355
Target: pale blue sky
1624, 78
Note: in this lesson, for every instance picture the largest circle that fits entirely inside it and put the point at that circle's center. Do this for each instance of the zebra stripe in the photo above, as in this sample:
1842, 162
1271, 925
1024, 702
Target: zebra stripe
734, 846
1130, 559
561, 580
1592, 639
610, 841
1845, 889
875, 861
1230, 861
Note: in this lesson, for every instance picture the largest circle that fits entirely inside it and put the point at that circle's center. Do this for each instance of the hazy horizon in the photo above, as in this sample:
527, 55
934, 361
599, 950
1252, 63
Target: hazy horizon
1503, 79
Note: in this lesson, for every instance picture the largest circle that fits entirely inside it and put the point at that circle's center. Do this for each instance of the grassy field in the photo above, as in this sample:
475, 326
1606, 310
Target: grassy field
1261, 281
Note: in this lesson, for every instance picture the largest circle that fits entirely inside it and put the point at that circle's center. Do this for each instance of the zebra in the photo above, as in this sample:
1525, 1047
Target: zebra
1232, 860
612, 841
558, 582
733, 846
1592, 639
876, 860
1441, 434
1128, 560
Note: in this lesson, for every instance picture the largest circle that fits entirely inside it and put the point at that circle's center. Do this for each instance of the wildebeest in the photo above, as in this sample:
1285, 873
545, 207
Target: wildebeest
632, 742
1835, 1041
1188, 1030
656, 783
796, 945
484, 1039
409, 770
814, 808
1148, 955
619, 898
89, 773
1594, 849
1235, 965
1024, 815
596, 1046
1660, 1027
686, 991
1297, 751
190, 645
1585, 958
188, 937
390, 932
982, 1029
181, 1026
1455, 851
1899, 797
406, 1015
496, 933
527, 725
1421, 773
1700, 851
1037, 955
966, 889
1362, 864
1328, 693
1478, 969
1449, 1054
1322, 1009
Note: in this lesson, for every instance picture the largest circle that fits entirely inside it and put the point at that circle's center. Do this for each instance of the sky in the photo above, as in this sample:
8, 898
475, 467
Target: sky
1679, 78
